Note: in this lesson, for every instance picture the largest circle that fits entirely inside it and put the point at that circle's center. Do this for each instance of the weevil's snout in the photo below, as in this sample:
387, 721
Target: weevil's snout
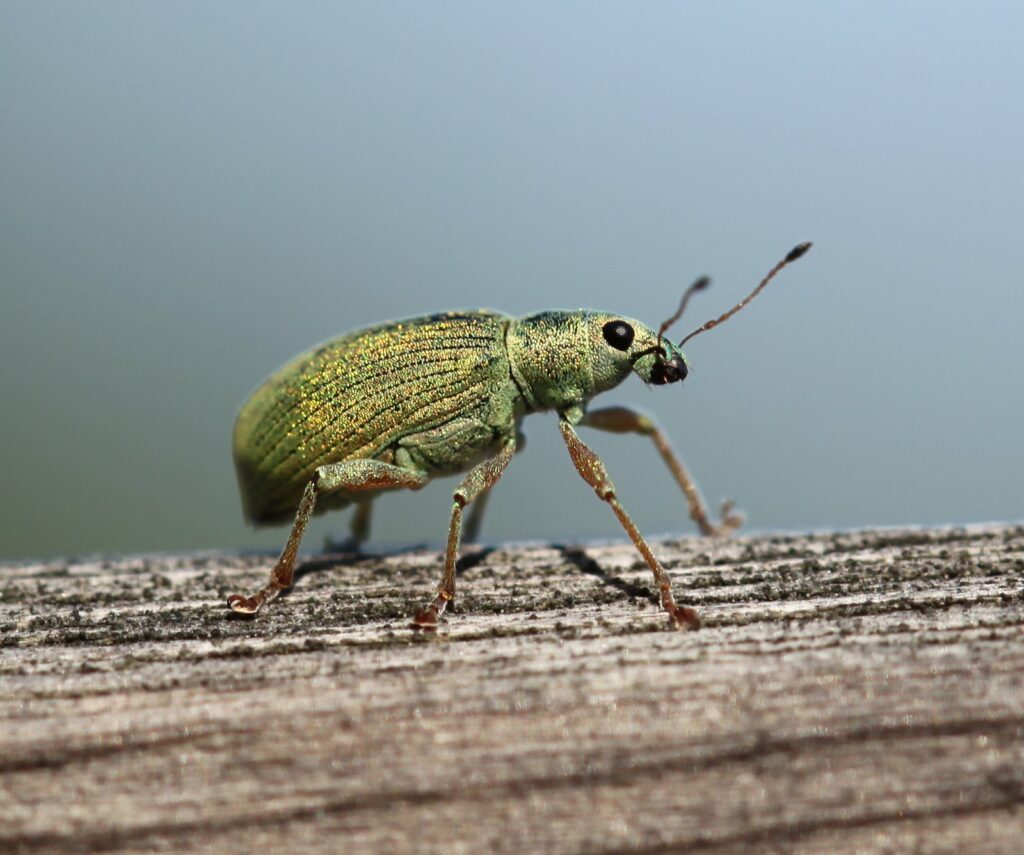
671, 371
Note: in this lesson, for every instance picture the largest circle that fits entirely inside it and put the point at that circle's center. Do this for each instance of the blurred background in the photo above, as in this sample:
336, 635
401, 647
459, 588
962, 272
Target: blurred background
192, 193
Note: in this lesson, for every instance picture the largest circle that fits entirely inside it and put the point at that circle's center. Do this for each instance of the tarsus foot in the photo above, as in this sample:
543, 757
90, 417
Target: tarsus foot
243, 605
683, 617
426, 619
729, 521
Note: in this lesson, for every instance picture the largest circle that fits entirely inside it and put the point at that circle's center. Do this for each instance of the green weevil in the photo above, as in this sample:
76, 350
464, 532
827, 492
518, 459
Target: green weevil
396, 405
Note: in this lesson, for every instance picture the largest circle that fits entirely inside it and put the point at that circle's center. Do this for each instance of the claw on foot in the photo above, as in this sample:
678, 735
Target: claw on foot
243, 605
730, 521
683, 617
425, 620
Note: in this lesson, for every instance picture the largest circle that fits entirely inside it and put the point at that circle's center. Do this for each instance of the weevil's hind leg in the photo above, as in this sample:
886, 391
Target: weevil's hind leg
626, 420
358, 530
478, 480
590, 467
351, 475
359, 526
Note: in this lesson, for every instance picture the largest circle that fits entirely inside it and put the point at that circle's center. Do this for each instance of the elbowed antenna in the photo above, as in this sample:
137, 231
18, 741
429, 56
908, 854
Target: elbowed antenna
795, 253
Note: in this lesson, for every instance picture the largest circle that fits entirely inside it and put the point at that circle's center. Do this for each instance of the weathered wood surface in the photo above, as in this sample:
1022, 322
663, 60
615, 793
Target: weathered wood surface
854, 692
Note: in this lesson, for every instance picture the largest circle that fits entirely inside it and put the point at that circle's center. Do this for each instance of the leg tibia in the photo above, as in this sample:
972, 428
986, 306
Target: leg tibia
351, 475
359, 527
626, 420
478, 480
592, 469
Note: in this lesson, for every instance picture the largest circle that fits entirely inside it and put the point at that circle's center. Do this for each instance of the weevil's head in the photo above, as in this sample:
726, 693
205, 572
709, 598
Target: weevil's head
562, 359
620, 346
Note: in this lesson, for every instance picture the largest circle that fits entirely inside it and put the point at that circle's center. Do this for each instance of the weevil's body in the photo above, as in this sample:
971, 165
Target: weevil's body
436, 394
432, 393
396, 405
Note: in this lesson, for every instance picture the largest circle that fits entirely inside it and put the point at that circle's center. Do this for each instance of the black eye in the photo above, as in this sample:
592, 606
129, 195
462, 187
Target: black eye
618, 334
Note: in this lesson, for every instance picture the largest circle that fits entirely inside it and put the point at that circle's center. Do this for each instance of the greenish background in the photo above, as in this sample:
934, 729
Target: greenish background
194, 192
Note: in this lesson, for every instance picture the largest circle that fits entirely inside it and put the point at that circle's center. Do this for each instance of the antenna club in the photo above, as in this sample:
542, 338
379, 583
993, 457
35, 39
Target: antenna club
798, 251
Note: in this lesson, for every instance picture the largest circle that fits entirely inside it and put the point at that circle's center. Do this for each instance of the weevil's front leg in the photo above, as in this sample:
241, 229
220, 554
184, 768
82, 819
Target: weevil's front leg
626, 420
354, 475
478, 480
589, 465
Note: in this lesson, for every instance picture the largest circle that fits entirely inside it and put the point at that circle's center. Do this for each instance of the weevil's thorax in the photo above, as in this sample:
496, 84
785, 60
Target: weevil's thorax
561, 360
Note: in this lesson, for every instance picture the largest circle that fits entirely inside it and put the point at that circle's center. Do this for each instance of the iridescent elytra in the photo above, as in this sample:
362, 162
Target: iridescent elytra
395, 405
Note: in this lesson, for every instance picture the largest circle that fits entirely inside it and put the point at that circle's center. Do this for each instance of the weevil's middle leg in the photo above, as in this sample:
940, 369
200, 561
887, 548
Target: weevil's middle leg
592, 469
478, 480
471, 527
354, 475
626, 420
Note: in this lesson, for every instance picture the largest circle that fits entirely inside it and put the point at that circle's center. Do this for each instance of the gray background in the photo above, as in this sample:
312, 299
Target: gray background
193, 193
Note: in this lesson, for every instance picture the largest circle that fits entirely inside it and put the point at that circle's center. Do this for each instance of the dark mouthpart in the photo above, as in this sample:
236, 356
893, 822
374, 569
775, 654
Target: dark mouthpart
668, 372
